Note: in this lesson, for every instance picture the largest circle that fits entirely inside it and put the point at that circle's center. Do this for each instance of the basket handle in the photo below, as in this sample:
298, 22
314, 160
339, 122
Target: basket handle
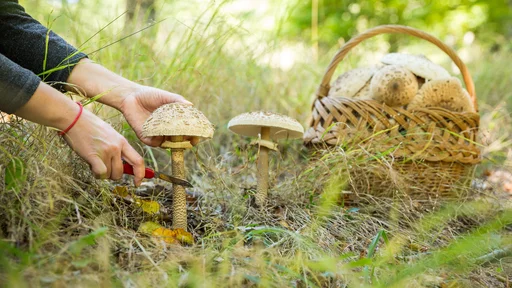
323, 90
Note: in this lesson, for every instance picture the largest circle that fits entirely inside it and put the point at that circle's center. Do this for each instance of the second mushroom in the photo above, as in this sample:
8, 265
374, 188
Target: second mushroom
266, 126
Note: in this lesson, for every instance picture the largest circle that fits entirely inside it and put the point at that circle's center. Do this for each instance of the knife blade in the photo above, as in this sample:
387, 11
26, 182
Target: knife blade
150, 173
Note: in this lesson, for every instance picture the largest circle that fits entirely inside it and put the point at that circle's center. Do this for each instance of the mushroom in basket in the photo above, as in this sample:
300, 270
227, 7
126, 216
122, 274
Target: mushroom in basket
445, 93
394, 85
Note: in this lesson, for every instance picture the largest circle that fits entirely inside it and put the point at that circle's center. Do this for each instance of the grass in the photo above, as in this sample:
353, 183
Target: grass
61, 227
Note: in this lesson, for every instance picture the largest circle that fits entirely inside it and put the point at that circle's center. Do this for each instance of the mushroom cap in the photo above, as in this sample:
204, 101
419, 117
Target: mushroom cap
365, 93
350, 82
417, 64
394, 85
281, 126
178, 119
445, 93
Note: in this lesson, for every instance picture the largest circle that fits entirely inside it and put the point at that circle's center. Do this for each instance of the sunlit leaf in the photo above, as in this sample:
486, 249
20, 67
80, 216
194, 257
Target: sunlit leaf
148, 227
166, 235
150, 207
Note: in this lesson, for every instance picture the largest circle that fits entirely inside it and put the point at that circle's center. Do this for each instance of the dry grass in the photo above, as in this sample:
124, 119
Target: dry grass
61, 227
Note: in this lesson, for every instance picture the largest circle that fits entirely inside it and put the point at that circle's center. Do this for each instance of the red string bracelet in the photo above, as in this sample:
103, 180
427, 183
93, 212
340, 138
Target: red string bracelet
63, 132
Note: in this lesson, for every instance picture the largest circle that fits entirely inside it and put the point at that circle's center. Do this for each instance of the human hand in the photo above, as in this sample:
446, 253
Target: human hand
138, 105
103, 148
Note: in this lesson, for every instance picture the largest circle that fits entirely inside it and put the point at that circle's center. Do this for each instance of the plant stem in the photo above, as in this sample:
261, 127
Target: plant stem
262, 176
179, 197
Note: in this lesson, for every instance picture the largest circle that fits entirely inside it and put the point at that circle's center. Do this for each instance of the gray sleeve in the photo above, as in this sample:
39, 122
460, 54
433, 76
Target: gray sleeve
23, 40
17, 85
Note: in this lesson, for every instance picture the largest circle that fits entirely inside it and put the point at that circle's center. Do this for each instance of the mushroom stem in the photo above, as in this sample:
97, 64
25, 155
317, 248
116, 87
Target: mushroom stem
179, 197
262, 176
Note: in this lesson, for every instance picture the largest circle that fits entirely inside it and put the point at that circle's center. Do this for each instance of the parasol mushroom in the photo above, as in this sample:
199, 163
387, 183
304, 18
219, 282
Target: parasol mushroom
266, 126
394, 85
445, 93
350, 82
182, 124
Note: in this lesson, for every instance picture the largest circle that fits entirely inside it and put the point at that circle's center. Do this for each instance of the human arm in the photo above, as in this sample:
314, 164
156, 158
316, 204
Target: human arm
31, 45
26, 51
23, 93
91, 138
135, 101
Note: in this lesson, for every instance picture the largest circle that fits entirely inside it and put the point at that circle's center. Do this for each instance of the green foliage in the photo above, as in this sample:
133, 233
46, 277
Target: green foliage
90, 239
15, 174
491, 21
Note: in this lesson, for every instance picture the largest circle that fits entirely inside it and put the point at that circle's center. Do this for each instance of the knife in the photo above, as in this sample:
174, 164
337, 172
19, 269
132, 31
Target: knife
150, 173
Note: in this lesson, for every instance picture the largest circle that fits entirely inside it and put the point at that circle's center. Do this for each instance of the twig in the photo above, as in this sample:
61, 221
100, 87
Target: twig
495, 255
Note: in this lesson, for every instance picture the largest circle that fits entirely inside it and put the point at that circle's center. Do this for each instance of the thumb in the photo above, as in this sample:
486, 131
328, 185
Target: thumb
168, 97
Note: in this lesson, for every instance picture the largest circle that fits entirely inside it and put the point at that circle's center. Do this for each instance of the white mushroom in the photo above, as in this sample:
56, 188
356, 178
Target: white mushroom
417, 64
350, 82
267, 126
179, 122
445, 93
394, 85
365, 93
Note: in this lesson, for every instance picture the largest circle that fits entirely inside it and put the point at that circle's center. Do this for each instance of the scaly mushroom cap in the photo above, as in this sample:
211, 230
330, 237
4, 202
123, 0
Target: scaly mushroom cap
350, 82
177, 119
394, 85
445, 93
365, 93
249, 124
417, 64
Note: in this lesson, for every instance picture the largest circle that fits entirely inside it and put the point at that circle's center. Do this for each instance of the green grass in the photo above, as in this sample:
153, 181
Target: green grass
61, 227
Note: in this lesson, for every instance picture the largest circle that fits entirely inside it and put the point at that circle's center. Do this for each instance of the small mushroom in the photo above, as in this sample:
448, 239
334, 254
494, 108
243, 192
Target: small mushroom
394, 85
350, 82
181, 123
445, 93
417, 64
266, 126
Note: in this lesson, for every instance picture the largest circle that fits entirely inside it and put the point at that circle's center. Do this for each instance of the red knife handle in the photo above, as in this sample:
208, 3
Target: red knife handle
128, 169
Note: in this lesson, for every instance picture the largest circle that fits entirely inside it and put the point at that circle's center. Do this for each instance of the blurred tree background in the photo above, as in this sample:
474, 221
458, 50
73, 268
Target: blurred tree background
329, 21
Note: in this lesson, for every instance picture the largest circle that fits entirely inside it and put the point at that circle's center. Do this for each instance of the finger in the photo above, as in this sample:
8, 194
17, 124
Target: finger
98, 167
153, 141
173, 97
117, 167
194, 141
181, 99
131, 156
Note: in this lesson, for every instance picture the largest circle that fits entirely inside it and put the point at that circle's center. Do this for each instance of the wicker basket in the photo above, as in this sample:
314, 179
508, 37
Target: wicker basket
433, 149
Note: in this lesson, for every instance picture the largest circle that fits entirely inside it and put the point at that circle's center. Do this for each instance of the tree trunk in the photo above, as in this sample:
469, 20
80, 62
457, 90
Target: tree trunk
139, 12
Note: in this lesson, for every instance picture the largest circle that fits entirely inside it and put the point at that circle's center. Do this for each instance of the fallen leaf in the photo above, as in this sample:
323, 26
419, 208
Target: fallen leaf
169, 236
148, 206
121, 191
148, 227
164, 234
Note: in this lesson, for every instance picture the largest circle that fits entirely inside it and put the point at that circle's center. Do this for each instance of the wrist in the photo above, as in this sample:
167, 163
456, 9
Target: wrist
80, 110
49, 107
94, 79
